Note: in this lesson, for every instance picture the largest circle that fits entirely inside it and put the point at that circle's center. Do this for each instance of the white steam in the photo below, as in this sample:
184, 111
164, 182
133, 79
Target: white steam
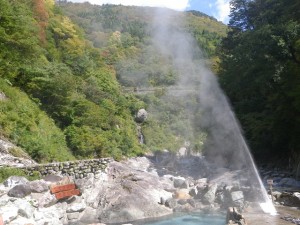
225, 146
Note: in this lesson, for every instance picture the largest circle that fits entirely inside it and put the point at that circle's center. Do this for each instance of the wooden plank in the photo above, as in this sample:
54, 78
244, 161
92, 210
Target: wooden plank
60, 188
66, 194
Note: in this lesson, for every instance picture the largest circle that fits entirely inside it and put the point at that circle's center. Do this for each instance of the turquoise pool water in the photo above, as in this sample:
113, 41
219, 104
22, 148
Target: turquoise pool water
194, 219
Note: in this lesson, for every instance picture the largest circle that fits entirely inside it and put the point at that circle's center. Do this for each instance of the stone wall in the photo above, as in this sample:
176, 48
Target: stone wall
76, 169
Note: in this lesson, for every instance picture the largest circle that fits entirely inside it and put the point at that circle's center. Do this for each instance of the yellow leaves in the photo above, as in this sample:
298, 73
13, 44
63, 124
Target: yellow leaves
50, 3
75, 46
64, 27
68, 35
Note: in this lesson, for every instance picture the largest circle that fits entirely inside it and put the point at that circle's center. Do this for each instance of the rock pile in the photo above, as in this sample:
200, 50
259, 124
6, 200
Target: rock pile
291, 219
285, 187
234, 217
31, 202
134, 189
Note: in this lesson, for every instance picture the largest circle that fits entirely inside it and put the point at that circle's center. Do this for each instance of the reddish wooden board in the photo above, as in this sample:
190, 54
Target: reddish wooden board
60, 188
66, 194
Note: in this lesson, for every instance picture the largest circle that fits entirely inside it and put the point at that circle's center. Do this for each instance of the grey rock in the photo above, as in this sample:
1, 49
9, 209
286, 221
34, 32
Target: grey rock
192, 202
193, 192
73, 216
235, 217
47, 200
76, 207
84, 183
182, 201
276, 194
141, 116
202, 181
122, 199
15, 180
162, 201
52, 178
19, 191
297, 195
180, 182
38, 186
171, 203
210, 195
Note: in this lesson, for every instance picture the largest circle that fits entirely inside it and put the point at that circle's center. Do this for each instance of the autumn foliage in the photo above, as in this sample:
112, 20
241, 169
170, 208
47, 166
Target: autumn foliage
42, 17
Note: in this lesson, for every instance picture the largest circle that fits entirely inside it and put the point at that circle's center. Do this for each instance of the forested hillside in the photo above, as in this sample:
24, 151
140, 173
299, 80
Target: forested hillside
61, 67
46, 64
260, 72
126, 37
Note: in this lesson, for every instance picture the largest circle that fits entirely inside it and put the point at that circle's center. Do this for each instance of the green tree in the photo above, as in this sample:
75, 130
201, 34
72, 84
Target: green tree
259, 70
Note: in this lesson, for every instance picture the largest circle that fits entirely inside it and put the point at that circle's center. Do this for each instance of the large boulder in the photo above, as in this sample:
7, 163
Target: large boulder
19, 191
15, 180
141, 116
133, 193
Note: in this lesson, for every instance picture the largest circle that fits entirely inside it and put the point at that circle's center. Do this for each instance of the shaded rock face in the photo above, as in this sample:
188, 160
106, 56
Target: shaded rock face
19, 191
133, 194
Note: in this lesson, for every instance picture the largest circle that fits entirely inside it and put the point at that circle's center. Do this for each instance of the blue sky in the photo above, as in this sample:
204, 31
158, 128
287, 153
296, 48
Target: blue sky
216, 8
